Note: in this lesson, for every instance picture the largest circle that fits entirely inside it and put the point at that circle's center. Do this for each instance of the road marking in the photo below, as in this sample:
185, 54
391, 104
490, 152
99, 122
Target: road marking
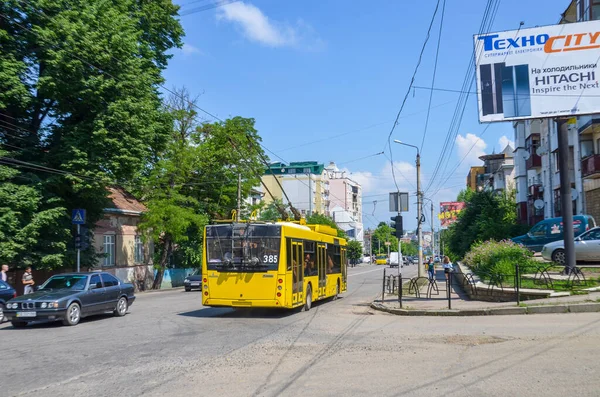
370, 271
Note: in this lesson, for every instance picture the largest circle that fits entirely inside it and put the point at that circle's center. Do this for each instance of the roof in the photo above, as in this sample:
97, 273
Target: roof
123, 201
297, 167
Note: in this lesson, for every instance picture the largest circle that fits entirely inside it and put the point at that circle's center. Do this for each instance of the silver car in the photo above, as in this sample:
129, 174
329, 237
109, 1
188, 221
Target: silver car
587, 248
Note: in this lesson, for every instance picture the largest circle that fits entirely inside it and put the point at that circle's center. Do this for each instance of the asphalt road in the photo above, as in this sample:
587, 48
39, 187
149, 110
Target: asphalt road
169, 345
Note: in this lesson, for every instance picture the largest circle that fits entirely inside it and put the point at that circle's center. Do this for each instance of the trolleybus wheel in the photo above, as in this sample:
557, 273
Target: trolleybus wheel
308, 302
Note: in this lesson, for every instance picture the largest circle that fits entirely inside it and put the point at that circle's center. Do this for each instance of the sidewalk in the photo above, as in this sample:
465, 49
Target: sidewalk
462, 305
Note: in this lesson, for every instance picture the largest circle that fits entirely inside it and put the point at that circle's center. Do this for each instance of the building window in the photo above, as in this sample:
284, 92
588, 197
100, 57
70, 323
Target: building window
307, 170
109, 250
138, 250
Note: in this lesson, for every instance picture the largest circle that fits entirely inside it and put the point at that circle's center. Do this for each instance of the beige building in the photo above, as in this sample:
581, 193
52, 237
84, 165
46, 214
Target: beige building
116, 236
473, 177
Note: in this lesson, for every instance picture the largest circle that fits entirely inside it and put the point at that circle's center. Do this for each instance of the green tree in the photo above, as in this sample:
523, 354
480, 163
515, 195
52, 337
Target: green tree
27, 232
79, 93
410, 249
270, 212
195, 179
487, 216
382, 234
355, 251
320, 219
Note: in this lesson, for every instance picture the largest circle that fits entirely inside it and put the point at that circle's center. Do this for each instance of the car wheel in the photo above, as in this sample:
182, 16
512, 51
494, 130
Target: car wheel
121, 307
73, 314
558, 256
188, 289
308, 301
18, 324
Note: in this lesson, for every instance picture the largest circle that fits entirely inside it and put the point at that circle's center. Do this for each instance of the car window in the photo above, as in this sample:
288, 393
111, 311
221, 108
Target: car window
3, 285
539, 230
75, 282
592, 235
109, 280
95, 279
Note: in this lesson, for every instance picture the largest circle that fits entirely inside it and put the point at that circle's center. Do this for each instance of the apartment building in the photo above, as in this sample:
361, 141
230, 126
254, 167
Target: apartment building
345, 202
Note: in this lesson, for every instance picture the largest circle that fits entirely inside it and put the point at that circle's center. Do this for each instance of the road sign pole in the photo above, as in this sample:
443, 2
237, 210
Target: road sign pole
78, 249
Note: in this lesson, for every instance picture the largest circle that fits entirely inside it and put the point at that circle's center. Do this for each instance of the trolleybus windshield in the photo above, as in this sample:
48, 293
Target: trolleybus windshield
241, 247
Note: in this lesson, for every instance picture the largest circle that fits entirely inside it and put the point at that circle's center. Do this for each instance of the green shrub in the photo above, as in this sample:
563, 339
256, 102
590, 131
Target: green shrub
494, 258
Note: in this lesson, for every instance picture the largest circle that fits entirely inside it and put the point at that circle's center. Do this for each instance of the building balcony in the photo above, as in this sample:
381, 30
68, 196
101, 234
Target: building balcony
534, 161
589, 124
590, 166
535, 190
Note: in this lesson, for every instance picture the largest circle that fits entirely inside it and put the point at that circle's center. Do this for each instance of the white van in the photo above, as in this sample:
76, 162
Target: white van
393, 262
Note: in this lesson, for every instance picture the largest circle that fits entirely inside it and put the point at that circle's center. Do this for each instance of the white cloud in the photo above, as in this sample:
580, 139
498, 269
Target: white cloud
187, 50
256, 26
470, 147
503, 141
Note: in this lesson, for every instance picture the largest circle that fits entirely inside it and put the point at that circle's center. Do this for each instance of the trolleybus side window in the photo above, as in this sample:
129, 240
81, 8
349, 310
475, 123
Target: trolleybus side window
334, 259
310, 266
290, 255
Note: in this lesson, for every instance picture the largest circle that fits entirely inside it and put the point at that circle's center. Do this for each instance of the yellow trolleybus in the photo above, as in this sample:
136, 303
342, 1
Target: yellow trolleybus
282, 264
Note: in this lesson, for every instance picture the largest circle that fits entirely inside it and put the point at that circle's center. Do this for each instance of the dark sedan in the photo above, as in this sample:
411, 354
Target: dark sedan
69, 297
193, 281
6, 293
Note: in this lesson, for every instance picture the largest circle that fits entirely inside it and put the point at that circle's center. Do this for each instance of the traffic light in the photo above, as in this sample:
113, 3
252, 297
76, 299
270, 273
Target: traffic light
397, 225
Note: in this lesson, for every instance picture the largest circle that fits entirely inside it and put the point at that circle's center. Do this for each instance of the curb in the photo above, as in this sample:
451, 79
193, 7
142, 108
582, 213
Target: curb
153, 291
501, 311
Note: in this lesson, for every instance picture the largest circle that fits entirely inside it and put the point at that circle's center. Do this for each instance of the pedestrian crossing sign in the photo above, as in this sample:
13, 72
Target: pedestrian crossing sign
78, 216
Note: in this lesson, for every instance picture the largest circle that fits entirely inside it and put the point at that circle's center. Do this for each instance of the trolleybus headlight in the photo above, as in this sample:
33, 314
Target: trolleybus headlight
280, 288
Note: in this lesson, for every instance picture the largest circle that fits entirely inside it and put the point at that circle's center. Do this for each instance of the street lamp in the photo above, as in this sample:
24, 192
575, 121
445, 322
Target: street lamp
419, 206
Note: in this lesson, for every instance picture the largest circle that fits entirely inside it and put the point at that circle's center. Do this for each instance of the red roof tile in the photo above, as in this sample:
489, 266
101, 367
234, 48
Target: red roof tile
123, 200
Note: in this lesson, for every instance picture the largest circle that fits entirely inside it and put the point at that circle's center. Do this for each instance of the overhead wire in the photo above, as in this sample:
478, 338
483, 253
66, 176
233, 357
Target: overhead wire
389, 139
486, 24
435, 63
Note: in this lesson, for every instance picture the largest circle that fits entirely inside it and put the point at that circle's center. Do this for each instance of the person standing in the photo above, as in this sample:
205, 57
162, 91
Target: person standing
27, 281
430, 269
448, 267
3, 274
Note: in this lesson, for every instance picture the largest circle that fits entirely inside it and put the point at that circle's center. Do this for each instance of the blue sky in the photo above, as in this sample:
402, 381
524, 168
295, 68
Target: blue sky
325, 79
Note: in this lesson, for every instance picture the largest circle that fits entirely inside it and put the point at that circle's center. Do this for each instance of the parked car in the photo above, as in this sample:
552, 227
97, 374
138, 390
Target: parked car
71, 296
6, 293
587, 248
193, 281
550, 230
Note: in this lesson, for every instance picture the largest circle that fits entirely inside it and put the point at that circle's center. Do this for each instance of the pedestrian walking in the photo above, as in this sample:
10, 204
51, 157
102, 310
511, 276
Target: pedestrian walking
448, 267
27, 281
431, 269
3, 274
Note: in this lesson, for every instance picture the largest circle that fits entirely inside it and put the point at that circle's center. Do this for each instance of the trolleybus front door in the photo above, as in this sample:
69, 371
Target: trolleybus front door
297, 266
322, 259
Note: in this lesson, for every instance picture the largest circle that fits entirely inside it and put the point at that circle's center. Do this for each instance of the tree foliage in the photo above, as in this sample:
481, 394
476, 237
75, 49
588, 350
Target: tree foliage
79, 104
382, 234
320, 219
355, 251
195, 179
487, 216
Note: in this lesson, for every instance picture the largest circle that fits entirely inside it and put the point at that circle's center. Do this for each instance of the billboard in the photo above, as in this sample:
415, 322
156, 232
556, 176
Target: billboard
549, 71
449, 211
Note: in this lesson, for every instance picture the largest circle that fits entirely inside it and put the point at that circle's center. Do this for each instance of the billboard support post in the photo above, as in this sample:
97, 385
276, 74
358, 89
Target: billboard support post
565, 196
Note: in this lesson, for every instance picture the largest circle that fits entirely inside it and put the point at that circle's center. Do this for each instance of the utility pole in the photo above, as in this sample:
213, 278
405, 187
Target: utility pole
419, 216
239, 198
309, 194
432, 234
565, 196
371, 247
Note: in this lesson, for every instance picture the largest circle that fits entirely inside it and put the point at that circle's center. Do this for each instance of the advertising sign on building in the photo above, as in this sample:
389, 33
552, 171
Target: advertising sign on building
549, 71
449, 211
